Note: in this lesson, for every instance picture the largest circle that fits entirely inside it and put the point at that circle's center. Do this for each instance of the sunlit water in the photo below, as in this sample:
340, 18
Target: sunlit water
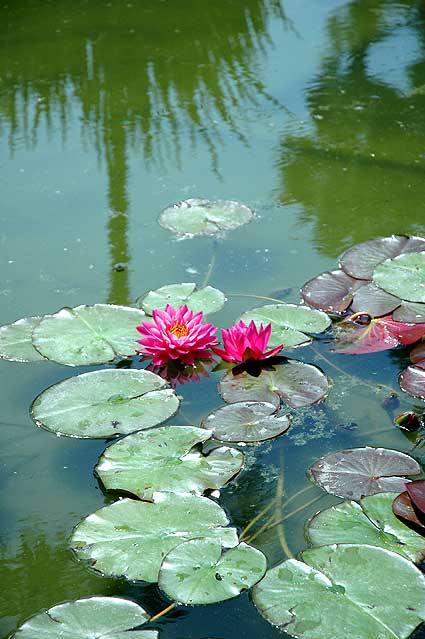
313, 113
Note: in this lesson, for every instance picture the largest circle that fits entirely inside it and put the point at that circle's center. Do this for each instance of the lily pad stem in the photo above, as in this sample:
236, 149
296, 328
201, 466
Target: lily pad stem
211, 266
280, 529
257, 297
163, 612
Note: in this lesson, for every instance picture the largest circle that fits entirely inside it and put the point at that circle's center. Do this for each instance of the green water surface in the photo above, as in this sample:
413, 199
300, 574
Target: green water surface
312, 112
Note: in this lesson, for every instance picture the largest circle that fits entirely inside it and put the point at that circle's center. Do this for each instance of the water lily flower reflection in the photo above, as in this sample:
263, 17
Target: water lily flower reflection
176, 335
243, 343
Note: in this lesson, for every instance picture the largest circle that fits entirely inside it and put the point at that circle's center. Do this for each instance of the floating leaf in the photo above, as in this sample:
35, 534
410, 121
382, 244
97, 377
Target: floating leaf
204, 217
91, 618
246, 422
404, 509
412, 380
198, 572
403, 276
373, 300
296, 383
16, 341
289, 323
104, 403
417, 355
410, 312
164, 459
88, 334
416, 491
379, 334
207, 299
372, 522
360, 260
130, 538
331, 291
358, 472
344, 591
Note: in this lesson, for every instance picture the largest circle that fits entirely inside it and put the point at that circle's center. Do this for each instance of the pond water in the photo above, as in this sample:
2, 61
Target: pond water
312, 113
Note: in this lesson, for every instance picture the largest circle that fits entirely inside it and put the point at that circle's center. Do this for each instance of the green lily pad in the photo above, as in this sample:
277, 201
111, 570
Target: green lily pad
344, 591
91, 618
372, 522
296, 383
246, 422
88, 334
360, 260
198, 572
130, 538
403, 276
104, 403
198, 216
289, 323
358, 472
207, 299
164, 459
16, 341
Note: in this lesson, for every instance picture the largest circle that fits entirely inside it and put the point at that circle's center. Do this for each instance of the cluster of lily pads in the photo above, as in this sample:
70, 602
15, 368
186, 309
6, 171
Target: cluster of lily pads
166, 525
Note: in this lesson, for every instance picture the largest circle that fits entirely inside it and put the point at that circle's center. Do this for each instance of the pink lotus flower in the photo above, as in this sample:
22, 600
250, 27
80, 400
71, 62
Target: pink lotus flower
243, 343
176, 334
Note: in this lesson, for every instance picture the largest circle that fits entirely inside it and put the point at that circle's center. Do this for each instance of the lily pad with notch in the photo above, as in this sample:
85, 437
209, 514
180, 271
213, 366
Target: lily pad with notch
88, 334
343, 590
90, 618
130, 538
199, 216
412, 380
403, 276
248, 422
290, 323
167, 459
105, 403
358, 472
207, 299
296, 383
410, 505
371, 522
16, 341
371, 335
199, 572
331, 291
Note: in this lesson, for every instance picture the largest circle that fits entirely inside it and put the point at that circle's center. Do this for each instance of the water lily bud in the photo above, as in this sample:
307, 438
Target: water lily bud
409, 421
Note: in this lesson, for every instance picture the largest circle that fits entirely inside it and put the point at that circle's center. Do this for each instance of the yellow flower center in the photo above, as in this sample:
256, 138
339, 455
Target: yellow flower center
179, 329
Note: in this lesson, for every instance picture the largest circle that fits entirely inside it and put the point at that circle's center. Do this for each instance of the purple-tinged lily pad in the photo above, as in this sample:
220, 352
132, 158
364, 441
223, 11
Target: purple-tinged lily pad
404, 509
331, 292
358, 472
412, 380
360, 260
417, 355
416, 490
378, 334
246, 422
411, 312
373, 300
296, 383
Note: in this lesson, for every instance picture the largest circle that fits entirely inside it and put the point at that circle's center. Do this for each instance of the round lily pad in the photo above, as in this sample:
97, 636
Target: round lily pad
88, 334
403, 276
246, 422
372, 522
164, 459
411, 312
331, 291
412, 380
104, 403
199, 572
289, 323
296, 383
344, 591
373, 300
198, 216
207, 299
91, 618
360, 260
417, 355
130, 538
16, 341
358, 472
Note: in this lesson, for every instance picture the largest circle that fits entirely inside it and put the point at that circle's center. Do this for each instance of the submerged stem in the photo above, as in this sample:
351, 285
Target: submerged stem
254, 520
163, 612
281, 530
211, 266
257, 297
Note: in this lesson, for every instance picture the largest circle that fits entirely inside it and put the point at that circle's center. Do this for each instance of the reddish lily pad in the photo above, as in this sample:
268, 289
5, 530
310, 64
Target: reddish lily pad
358, 472
412, 380
405, 510
360, 260
416, 490
379, 334
296, 383
331, 291
417, 355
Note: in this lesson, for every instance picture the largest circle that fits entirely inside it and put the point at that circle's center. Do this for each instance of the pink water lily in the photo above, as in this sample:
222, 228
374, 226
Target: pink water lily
243, 343
177, 335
